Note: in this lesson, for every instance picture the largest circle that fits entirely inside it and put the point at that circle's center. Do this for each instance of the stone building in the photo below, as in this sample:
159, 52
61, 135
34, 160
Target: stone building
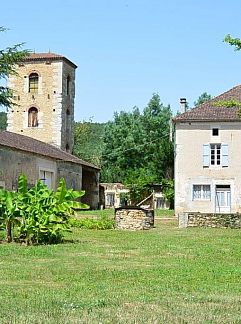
207, 163
44, 91
39, 136
21, 154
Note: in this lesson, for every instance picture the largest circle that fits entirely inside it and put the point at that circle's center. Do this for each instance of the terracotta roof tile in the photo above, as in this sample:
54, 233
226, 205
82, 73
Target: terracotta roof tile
31, 145
47, 57
211, 111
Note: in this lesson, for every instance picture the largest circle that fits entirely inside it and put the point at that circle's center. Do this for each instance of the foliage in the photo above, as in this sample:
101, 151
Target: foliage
202, 98
137, 147
139, 182
103, 222
42, 214
3, 120
168, 190
9, 211
228, 103
236, 42
88, 141
8, 58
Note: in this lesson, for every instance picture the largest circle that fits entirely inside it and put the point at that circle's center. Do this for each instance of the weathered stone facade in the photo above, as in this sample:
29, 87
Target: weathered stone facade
53, 99
134, 218
20, 154
209, 220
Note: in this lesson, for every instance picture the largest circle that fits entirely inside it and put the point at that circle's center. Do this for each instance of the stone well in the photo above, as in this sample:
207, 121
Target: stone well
134, 218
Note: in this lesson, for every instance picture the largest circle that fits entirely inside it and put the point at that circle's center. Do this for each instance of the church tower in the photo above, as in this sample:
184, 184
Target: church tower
43, 97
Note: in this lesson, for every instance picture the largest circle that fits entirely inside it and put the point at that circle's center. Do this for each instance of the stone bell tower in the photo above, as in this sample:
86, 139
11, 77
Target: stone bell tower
43, 94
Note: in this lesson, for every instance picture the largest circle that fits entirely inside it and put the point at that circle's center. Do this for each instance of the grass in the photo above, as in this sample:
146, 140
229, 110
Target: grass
164, 275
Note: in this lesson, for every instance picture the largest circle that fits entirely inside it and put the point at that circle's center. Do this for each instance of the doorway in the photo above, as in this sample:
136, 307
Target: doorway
223, 199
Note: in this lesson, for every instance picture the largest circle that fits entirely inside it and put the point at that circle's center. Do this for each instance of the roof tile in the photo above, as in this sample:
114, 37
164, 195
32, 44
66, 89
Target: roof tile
47, 57
213, 110
31, 145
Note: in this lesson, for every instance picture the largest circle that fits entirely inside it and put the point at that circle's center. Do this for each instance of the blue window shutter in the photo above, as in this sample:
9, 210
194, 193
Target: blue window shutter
224, 152
206, 155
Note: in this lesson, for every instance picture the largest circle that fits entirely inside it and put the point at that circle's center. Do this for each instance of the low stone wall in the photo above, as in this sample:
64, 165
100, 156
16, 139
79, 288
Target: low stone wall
210, 220
134, 218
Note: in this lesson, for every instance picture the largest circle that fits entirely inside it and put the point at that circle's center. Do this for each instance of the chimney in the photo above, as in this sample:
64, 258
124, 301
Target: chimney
183, 105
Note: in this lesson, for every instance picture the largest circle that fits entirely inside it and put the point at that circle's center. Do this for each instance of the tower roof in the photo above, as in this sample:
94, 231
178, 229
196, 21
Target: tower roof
47, 57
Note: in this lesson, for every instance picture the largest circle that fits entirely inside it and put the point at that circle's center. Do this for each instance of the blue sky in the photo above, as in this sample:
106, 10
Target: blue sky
126, 50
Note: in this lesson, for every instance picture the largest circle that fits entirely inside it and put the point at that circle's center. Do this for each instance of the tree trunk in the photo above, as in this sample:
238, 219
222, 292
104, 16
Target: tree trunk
9, 231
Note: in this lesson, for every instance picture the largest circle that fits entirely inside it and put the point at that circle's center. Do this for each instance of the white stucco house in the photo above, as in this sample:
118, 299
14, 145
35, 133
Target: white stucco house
208, 156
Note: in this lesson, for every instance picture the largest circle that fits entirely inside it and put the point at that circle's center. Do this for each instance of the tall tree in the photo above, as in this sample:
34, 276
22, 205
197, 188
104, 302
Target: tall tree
8, 58
88, 141
202, 98
137, 150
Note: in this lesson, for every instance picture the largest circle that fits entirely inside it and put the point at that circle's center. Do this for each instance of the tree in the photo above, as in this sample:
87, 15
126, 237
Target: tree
236, 42
137, 150
8, 58
88, 141
202, 98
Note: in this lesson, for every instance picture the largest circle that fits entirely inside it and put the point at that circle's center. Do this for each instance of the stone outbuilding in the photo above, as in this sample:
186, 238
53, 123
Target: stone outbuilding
21, 154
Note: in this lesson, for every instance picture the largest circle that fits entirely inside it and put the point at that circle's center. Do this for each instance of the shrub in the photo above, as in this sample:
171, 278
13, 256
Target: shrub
41, 214
103, 222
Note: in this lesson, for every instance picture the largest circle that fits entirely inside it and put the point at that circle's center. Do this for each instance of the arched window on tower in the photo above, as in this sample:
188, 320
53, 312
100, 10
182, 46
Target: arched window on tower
33, 82
33, 117
68, 85
67, 148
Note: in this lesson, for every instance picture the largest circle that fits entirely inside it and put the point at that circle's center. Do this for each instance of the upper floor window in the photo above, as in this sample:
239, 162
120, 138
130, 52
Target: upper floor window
215, 155
215, 131
33, 117
33, 82
68, 85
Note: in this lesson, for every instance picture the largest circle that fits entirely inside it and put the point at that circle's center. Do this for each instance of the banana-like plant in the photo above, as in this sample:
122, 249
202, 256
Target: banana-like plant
42, 214
9, 211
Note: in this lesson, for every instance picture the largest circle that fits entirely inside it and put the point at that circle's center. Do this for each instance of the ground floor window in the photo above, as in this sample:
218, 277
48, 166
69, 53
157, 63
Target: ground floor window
201, 192
2, 185
110, 199
47, 178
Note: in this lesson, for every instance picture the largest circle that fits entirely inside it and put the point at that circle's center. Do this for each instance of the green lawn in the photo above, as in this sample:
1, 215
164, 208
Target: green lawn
164, 275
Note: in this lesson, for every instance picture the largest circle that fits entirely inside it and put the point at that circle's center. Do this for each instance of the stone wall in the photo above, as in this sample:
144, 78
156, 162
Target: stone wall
134, 218
210, 220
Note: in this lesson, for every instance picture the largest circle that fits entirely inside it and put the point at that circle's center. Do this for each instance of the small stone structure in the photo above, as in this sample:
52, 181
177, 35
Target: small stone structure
210, 220
134, 218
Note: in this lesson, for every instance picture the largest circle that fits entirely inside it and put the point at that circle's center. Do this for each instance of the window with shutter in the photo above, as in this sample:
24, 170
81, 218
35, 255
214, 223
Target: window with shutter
224, 151
206, 155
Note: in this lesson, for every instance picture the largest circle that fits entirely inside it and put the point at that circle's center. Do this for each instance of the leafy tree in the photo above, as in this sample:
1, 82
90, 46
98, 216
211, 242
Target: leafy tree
8, 58
3, 120
88, 141
236, 42
202, 98
137, 150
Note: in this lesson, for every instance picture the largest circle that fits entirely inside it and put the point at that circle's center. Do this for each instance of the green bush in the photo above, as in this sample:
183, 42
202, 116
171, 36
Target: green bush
103, 222
40, 215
